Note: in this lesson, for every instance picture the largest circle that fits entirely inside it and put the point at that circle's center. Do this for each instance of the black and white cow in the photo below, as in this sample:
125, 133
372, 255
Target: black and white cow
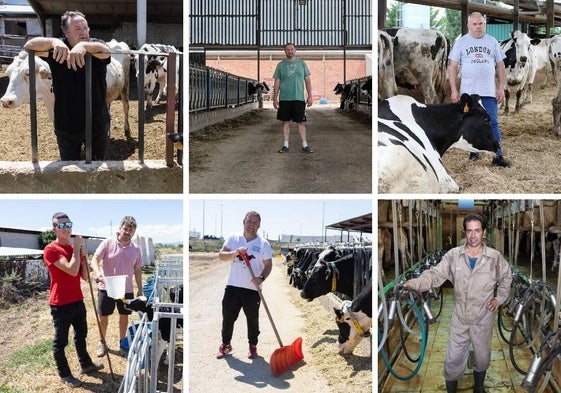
335, 276
345, 91
306, 258
387, 86
412, 137
17, 92
354, 319
420, 59
257, 88
142, 304
155, 71
520, 68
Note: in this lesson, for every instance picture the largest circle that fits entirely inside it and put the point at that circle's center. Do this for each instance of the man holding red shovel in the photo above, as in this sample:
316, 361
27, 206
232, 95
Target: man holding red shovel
241, 289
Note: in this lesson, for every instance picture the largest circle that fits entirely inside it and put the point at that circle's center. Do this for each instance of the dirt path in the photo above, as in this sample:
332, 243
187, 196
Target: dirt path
322, 370
241, 155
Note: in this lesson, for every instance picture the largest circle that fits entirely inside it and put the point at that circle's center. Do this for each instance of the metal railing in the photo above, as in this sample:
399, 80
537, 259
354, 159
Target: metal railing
170, 105
210, 88
145, 348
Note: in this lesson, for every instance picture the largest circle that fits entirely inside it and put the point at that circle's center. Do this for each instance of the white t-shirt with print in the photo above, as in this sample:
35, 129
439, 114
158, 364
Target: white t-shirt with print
258, 250
477, 58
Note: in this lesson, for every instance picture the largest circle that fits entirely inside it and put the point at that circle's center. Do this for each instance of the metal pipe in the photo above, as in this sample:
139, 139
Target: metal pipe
33, 107
88, 108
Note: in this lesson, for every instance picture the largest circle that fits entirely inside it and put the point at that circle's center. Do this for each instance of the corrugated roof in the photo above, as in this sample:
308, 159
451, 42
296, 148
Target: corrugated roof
16, 10
16, 251
358, 224
111, 12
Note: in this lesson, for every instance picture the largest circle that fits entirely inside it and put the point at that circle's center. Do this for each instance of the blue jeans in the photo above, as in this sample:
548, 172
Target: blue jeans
490, 105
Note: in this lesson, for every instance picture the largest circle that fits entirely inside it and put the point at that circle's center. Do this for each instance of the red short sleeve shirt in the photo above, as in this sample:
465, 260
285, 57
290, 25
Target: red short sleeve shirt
65, 289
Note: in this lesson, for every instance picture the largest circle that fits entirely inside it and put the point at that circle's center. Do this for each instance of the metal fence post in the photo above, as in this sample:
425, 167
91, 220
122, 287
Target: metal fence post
33, 107
141, 61
170, 107
88, 108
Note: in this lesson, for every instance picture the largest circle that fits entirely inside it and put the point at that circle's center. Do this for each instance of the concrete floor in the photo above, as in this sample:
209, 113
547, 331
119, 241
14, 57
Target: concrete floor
501, 376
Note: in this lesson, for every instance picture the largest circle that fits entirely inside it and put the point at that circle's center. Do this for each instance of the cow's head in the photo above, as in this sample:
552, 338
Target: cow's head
17, 92
353, 327
523, 45
320, 280
475, 132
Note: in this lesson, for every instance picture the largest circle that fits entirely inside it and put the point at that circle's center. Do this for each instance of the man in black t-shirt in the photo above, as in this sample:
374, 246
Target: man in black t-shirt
66, 59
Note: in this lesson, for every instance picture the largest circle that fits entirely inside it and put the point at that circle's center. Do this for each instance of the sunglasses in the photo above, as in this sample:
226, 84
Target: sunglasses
62, 225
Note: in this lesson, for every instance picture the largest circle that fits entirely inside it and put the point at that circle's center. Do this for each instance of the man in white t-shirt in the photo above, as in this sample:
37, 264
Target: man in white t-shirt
480, 57
241, 290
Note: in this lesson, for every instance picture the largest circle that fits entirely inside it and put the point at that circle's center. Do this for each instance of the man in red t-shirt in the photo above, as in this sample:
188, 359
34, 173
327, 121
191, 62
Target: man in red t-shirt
66, 299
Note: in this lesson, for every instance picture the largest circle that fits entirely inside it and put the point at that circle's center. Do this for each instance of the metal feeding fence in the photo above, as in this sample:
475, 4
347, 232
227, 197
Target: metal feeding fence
145, 350
210, 88
173, 59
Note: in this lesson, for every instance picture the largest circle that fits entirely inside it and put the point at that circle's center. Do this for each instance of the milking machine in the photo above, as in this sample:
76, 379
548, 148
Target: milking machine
412, 329
534, 317
409, 309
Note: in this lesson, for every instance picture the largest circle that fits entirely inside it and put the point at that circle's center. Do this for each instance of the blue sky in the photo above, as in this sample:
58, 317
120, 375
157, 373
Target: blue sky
160, 219
278, 216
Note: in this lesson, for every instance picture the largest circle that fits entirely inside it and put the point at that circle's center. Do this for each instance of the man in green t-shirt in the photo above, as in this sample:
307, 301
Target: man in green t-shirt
291, 103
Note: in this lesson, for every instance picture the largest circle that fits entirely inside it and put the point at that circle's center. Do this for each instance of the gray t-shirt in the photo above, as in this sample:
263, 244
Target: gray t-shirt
477, 58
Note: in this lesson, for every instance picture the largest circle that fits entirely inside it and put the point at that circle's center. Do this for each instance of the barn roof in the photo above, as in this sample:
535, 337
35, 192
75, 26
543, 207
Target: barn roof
17, 251
358, 224
529, 10
107, 13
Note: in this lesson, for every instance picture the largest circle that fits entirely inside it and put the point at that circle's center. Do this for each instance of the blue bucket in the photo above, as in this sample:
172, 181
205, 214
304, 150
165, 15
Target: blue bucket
147, 290
124, 344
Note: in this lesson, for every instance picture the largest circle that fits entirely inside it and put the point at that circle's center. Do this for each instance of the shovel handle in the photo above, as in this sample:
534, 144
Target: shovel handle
248, 264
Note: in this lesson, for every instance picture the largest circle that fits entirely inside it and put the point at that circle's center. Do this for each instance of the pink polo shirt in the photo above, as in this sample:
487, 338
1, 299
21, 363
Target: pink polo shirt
118, 260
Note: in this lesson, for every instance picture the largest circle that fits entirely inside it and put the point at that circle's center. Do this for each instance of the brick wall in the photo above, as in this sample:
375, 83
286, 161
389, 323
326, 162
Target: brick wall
325, 74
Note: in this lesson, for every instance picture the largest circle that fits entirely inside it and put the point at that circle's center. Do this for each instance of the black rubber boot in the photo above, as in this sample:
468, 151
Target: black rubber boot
451, 386
478, 379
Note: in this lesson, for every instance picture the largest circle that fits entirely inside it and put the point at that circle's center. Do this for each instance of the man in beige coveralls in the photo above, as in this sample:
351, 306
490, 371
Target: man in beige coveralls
474, 269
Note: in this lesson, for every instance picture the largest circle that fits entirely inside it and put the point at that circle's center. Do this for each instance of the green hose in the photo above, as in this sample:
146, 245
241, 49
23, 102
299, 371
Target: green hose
424, 335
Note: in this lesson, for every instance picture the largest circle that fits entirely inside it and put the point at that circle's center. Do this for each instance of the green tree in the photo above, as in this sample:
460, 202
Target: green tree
436, 21
45, 238
453, 24
393, 14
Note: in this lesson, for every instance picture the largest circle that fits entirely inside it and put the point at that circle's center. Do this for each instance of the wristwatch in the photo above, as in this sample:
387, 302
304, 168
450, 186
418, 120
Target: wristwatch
262, 278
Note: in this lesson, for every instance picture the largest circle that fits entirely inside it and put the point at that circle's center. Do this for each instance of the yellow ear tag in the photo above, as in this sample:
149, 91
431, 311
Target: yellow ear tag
466, 108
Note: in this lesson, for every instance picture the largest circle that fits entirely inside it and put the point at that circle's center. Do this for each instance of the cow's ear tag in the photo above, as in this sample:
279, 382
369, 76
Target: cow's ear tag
466, 108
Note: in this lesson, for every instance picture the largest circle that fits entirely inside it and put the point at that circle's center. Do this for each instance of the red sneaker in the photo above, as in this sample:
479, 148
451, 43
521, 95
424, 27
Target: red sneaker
252, 351
223, 350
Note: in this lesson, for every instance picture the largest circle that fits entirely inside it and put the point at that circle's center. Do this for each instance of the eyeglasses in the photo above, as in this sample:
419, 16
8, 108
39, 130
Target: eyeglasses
62, 225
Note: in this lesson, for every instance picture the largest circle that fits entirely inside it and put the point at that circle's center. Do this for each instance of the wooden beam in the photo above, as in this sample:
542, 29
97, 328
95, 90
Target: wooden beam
489, 10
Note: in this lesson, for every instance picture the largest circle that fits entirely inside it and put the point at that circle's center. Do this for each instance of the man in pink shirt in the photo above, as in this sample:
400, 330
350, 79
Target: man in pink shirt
115, 257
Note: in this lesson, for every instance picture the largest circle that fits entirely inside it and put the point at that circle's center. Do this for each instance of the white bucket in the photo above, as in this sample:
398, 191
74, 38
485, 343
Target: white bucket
115, 286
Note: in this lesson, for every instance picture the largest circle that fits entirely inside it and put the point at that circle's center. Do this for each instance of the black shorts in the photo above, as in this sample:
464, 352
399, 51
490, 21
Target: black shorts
292, 110
106, 304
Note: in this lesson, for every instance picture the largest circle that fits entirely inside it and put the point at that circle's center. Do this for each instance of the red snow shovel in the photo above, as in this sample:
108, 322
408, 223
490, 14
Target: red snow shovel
285, 356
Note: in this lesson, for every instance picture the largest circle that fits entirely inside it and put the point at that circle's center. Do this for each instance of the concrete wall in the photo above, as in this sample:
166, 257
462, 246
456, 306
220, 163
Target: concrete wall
200, 120
152, 177
31, 240
19, 240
